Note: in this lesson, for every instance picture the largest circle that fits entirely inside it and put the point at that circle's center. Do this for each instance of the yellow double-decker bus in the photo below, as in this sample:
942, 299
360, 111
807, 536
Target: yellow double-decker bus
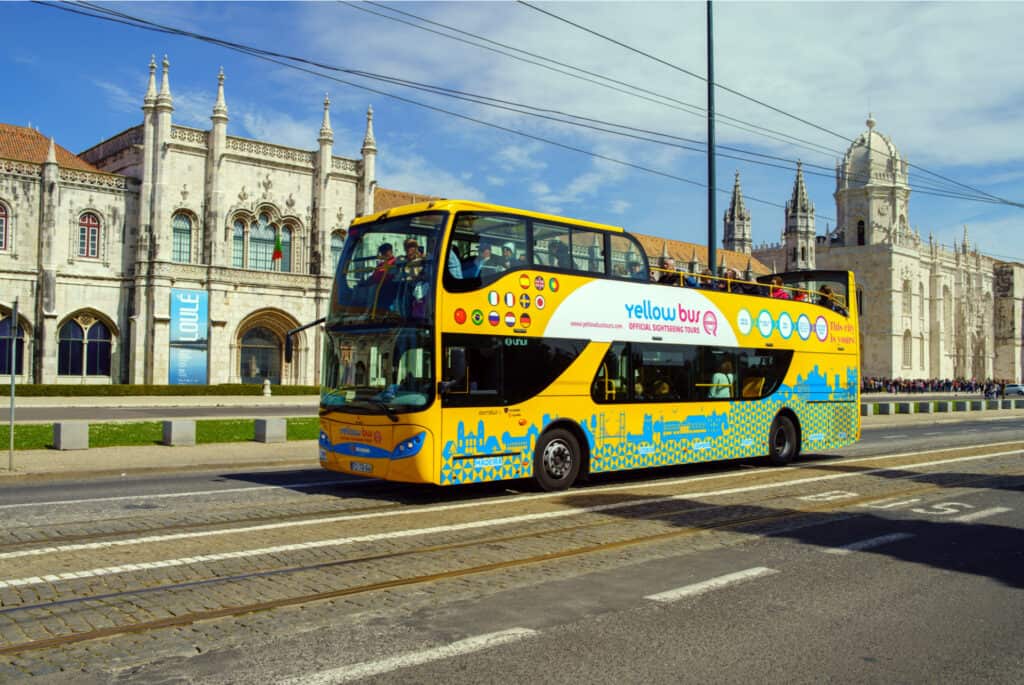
467, 342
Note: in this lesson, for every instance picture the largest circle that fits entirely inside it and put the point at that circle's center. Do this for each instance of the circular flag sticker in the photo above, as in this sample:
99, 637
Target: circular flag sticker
494, 318
492, 298
785, 325
803, 327
510, 300
821, 328
744, 322
524, 301
553, 285
510, 319
460, 316
524, 320
477, 317
538, 302
538, 283
765, 323
524, 281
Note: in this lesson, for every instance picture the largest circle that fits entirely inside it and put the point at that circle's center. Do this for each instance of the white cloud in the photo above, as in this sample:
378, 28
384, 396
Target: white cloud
413, 173
519, 157
619, 206
280, 128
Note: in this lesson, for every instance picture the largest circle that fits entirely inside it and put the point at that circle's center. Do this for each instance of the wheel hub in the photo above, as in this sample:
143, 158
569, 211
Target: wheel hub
557, 459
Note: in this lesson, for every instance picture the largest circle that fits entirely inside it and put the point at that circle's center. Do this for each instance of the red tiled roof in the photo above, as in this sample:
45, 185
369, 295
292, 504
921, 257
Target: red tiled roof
28, 145
683, 252
384, 198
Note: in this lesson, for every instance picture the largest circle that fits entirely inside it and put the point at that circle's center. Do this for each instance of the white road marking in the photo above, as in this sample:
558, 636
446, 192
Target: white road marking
577, 511
712, 584
934, 433
869, 543
195, 493
828, 496
890, 504
983, 514
366, 669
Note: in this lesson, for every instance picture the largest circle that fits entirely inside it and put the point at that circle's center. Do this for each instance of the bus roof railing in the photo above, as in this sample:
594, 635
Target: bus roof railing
708, 281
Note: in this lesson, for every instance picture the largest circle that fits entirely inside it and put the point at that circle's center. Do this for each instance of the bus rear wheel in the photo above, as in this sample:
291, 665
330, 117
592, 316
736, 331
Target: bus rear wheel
783, 445
556, 460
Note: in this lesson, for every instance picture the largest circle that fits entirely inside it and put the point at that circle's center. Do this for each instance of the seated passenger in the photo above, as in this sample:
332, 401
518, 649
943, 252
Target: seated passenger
488, 263
668, 272
778, 292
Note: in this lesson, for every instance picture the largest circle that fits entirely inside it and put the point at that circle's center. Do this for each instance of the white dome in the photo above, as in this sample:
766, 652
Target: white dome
873, 153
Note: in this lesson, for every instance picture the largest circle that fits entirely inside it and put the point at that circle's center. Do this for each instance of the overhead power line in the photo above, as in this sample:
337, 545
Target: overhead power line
750, 98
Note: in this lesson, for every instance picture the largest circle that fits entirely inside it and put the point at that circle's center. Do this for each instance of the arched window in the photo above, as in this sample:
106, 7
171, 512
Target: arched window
908, 349
89, 235
908, 298
860, 232
337, 242
260, 356
181, 228
286, 248
84, 348
924, 305
261, 244
69, 352
921, 362
238, 245
5, 347
5, 241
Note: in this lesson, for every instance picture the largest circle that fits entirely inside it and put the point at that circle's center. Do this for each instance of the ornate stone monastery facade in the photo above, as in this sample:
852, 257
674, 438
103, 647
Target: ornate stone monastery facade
927, 311
114, 253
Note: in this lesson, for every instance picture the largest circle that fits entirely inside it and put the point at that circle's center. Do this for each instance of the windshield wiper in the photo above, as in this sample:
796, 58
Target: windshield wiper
387, 410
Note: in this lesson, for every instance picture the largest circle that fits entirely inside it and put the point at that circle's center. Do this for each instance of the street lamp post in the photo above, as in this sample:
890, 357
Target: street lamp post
11, 369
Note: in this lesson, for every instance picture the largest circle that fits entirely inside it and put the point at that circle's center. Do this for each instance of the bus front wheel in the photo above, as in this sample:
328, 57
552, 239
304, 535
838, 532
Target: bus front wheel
556, 460
783, 444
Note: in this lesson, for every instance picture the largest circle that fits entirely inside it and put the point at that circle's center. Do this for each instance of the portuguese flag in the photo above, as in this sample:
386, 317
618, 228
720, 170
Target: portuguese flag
278, 253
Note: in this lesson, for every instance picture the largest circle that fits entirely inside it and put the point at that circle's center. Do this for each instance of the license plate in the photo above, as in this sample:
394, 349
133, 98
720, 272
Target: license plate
361, 467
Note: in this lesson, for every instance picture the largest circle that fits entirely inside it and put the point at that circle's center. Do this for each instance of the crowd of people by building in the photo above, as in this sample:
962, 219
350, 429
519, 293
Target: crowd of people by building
990, 388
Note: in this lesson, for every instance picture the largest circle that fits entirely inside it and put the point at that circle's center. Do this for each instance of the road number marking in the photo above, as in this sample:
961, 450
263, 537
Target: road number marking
983, 514
870, 543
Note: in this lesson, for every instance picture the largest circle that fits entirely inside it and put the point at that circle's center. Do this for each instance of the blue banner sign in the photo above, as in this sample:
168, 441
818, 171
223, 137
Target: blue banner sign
190, 325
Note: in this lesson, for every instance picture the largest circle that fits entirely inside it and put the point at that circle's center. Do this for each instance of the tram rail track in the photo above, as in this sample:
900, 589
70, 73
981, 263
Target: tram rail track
684, 531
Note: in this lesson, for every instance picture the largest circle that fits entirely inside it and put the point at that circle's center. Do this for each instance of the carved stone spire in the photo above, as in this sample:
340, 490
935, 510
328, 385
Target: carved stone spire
51, 154
220, 107
164, 97
368, 141
737, 233
150, 98
799, 201
326, 133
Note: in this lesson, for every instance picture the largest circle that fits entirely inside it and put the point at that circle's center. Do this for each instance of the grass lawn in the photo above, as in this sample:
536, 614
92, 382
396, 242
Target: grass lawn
34, 436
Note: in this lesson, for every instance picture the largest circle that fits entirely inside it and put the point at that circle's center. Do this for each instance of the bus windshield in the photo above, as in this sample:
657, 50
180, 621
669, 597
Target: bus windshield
387, 271
378, 370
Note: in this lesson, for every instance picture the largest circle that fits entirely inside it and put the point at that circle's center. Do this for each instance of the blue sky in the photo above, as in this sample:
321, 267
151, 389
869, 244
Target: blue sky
942, 79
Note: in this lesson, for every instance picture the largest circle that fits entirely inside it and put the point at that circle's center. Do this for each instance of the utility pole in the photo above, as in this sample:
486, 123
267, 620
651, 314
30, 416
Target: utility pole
11, 369
712, 212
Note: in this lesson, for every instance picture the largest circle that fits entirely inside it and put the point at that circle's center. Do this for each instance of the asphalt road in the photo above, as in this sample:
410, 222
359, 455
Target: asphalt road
898, 560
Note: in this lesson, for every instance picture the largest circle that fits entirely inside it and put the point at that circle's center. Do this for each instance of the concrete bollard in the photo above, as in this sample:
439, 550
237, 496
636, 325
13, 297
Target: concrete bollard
942, 406
924, 408
961, 405
266, 387
71, 435
904, 407
977, 405
884, 407
271, 430
180, 432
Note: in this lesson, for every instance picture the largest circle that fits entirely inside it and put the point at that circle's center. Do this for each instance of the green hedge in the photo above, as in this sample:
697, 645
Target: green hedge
227, 389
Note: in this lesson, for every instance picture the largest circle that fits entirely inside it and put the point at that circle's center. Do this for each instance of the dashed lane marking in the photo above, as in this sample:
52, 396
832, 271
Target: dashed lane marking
870, 543
367, 669
712, 584
983, 514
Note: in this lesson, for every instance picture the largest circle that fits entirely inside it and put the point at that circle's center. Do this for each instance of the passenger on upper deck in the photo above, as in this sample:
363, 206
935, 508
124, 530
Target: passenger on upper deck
558, 253
668, 274
778, 292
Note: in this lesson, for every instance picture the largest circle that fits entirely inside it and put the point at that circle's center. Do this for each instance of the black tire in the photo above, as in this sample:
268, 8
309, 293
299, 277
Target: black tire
783, 444
556, 460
